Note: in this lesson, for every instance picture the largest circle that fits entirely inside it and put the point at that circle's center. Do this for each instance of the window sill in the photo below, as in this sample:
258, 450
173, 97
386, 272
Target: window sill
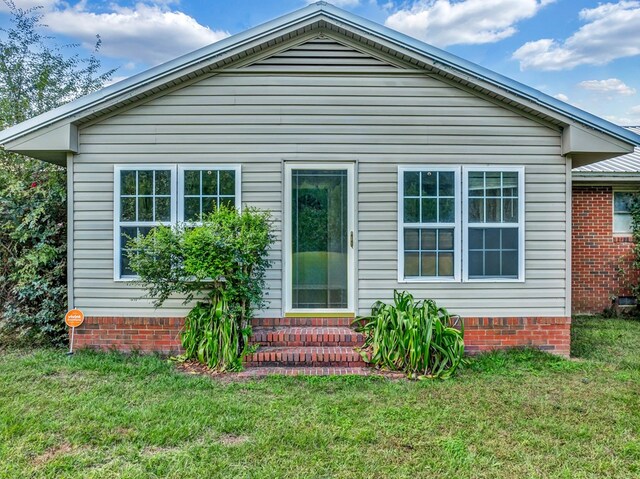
622, 238
428, 280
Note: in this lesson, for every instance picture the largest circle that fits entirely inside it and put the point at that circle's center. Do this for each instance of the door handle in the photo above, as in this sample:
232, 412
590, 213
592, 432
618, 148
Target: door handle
351, 239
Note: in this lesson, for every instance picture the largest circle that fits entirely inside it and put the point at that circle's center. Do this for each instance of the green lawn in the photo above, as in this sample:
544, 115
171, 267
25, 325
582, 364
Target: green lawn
517, 415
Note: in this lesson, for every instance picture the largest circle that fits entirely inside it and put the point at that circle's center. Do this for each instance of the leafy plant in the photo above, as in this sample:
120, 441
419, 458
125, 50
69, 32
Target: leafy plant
35, 76
634, 274
416, 337
221, 264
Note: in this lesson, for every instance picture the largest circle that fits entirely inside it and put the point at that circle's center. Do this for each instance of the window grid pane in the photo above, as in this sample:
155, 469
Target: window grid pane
429, 197
493, 197
136, 207
207, 189
493, 252
429, 252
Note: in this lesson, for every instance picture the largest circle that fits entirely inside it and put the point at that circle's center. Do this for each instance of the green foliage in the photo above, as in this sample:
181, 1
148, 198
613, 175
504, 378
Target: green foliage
416, 337
223, 260
213, 337
33, 263
35, 76
635, 231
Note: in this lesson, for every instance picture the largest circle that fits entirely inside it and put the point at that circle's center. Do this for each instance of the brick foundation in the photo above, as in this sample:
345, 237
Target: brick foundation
550, 334
130, 334
601, 262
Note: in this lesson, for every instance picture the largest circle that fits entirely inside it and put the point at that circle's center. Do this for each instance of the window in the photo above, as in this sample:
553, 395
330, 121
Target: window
429, 211
494, 223
204, 188
446, 236
147, 195
143, 200
622, 211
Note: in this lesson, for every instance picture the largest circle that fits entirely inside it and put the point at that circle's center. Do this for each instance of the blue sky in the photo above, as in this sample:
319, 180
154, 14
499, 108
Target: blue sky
581, 51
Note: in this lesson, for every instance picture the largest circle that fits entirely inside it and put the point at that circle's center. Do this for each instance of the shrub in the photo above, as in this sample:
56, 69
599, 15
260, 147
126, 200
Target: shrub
221, 264
36, 75
416, 337
33, 247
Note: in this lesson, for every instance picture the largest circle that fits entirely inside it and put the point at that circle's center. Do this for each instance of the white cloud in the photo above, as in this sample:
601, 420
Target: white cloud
611, 31
612, 85
623, 121
147, 33
444, 22
635, 110
561, 97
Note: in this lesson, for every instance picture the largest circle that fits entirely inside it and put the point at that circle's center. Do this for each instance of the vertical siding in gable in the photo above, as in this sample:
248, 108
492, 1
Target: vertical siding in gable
377, 119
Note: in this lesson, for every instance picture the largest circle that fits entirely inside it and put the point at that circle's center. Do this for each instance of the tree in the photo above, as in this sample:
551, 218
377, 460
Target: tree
36, 75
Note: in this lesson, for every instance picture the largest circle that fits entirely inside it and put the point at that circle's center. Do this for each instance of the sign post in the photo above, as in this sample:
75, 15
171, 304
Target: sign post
73, 318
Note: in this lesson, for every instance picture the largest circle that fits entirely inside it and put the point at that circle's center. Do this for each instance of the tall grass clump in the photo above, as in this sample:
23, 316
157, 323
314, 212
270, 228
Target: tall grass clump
414, 336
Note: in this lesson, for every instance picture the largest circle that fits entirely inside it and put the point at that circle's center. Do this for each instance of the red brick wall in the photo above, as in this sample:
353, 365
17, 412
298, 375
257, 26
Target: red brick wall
597, 256
130, 334
548, 334
481, 334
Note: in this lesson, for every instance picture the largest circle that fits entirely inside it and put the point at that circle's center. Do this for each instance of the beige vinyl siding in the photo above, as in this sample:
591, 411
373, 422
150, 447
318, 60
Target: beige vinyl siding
323, 102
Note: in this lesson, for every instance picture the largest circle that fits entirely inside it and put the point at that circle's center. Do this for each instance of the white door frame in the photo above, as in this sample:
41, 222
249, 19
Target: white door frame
287, 278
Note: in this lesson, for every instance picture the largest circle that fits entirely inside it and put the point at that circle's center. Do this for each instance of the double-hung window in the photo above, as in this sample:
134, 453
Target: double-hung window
143, 199
494, 223
446, 235
146, 196
429, 216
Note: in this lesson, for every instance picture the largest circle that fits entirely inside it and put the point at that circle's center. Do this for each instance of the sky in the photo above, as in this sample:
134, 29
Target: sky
584, 52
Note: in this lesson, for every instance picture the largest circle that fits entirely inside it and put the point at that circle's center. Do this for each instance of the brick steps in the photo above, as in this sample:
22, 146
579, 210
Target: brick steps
307, 336
310, 346
261, 372
301, 322
325, 356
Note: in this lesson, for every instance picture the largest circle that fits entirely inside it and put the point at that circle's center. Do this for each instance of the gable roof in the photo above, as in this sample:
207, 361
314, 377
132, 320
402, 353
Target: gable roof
320, 16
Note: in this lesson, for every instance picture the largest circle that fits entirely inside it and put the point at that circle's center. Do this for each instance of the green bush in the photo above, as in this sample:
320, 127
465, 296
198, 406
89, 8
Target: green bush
221, 264
416, 337
33, 254
35, 76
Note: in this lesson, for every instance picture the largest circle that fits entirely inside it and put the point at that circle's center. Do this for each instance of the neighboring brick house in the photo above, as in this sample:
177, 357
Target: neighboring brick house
602, 243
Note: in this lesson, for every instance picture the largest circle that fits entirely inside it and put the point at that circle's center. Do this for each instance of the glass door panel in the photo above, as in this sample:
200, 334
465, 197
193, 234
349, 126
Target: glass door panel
320, 231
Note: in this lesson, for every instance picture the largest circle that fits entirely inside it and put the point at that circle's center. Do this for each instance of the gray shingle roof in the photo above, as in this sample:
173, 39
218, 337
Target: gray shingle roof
629, 163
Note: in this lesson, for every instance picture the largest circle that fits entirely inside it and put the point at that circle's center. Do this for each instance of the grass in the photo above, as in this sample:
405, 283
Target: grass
517, 414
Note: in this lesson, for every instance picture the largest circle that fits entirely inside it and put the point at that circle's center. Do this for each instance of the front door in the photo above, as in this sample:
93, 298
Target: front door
319, 238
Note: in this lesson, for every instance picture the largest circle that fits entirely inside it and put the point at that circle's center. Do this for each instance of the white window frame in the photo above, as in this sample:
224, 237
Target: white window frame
457, 236
466, 225
287, 243
177, 203
201, 167
613, 210
117, 223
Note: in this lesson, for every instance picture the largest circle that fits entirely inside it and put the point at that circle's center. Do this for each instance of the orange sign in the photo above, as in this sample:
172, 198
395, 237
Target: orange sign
74, 318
